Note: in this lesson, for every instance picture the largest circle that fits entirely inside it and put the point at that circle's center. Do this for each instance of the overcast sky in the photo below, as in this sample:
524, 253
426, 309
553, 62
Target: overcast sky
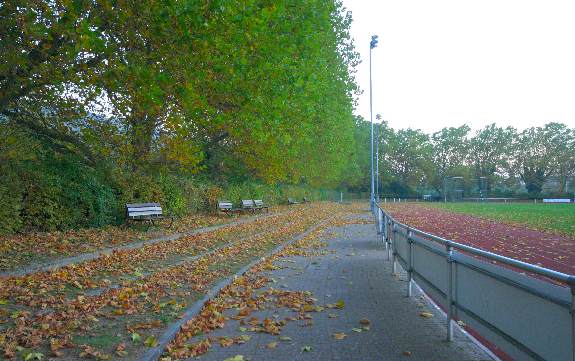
452, 62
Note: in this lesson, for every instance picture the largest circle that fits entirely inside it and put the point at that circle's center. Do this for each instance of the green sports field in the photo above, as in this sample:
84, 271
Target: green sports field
550, 217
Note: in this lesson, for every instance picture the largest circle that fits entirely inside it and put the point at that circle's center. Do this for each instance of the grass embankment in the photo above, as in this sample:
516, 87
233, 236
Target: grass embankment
546, 217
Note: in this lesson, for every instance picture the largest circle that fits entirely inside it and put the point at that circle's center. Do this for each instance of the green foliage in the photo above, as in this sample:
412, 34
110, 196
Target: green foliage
11, 200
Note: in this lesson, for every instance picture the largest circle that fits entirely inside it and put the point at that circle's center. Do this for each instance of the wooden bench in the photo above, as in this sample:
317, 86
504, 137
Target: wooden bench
146, 212
226, 207
292, 201
259, 204
248, 205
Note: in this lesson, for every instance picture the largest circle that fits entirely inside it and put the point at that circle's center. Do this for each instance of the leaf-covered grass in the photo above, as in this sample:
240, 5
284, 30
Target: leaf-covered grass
116, 306
546, 217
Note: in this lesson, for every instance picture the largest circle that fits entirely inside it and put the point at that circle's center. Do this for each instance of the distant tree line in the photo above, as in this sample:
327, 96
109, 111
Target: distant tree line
502, 161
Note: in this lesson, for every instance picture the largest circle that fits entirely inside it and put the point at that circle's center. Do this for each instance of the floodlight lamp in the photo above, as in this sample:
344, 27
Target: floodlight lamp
373, 42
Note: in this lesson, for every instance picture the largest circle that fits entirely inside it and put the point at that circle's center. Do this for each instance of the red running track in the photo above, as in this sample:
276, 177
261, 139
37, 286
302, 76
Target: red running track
546, 249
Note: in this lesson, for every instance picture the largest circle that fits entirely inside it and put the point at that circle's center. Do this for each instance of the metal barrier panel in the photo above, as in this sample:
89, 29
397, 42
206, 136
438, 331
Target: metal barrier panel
429, 262
400, 243
528, 318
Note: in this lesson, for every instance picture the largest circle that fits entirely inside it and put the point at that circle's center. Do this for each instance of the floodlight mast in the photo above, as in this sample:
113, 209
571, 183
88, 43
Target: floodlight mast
378, 138
372, 45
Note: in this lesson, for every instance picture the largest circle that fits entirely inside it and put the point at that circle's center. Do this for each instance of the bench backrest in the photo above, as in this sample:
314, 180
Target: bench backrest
225, 205
135, 210
258, 203
248, 203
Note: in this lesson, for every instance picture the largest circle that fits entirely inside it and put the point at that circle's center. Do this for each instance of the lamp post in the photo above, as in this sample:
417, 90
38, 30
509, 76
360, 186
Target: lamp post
372, 45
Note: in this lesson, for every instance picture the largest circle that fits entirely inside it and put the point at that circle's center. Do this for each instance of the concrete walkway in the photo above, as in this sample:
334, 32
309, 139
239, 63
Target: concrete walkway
356, 272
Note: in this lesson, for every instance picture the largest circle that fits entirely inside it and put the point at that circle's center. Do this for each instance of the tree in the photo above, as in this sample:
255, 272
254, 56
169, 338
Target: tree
489, 151
450, 149
562, 148
532, 158
50, 57
406, 158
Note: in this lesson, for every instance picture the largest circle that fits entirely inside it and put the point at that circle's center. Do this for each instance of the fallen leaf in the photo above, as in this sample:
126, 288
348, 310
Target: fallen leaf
225, 341
245, 338
364, 321
272, 345
151, 341
426, 314
339, 335
121, 350
340, 304
34, 356
407, 353
306, 349
355, 329
136, 337
285, 338
235, 358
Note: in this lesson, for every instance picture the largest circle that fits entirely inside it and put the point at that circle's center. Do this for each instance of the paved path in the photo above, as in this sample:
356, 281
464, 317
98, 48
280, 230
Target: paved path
357, 273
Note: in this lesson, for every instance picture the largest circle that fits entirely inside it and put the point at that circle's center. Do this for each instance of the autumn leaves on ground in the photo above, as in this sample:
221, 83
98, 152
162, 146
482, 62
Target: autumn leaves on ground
117, 305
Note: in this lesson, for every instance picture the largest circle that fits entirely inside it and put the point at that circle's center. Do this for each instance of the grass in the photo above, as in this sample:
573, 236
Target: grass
548, 217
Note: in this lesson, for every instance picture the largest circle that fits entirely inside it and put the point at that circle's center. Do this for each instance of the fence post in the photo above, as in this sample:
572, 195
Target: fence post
573, 320
393, 232
449, 297
384, 230
388, 239
409, 262
379, 220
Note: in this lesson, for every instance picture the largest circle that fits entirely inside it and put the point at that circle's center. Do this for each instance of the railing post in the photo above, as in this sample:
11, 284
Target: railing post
409, 262
573, 320
393, 232
379, 219
388, 239
384, 230
449, 292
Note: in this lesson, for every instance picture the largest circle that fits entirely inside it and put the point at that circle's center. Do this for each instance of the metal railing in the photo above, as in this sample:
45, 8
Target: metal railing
527, 317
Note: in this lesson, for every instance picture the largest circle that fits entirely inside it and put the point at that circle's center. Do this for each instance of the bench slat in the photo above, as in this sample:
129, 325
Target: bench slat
138, 205
144, 213
226, 206
248, 203
145, 209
